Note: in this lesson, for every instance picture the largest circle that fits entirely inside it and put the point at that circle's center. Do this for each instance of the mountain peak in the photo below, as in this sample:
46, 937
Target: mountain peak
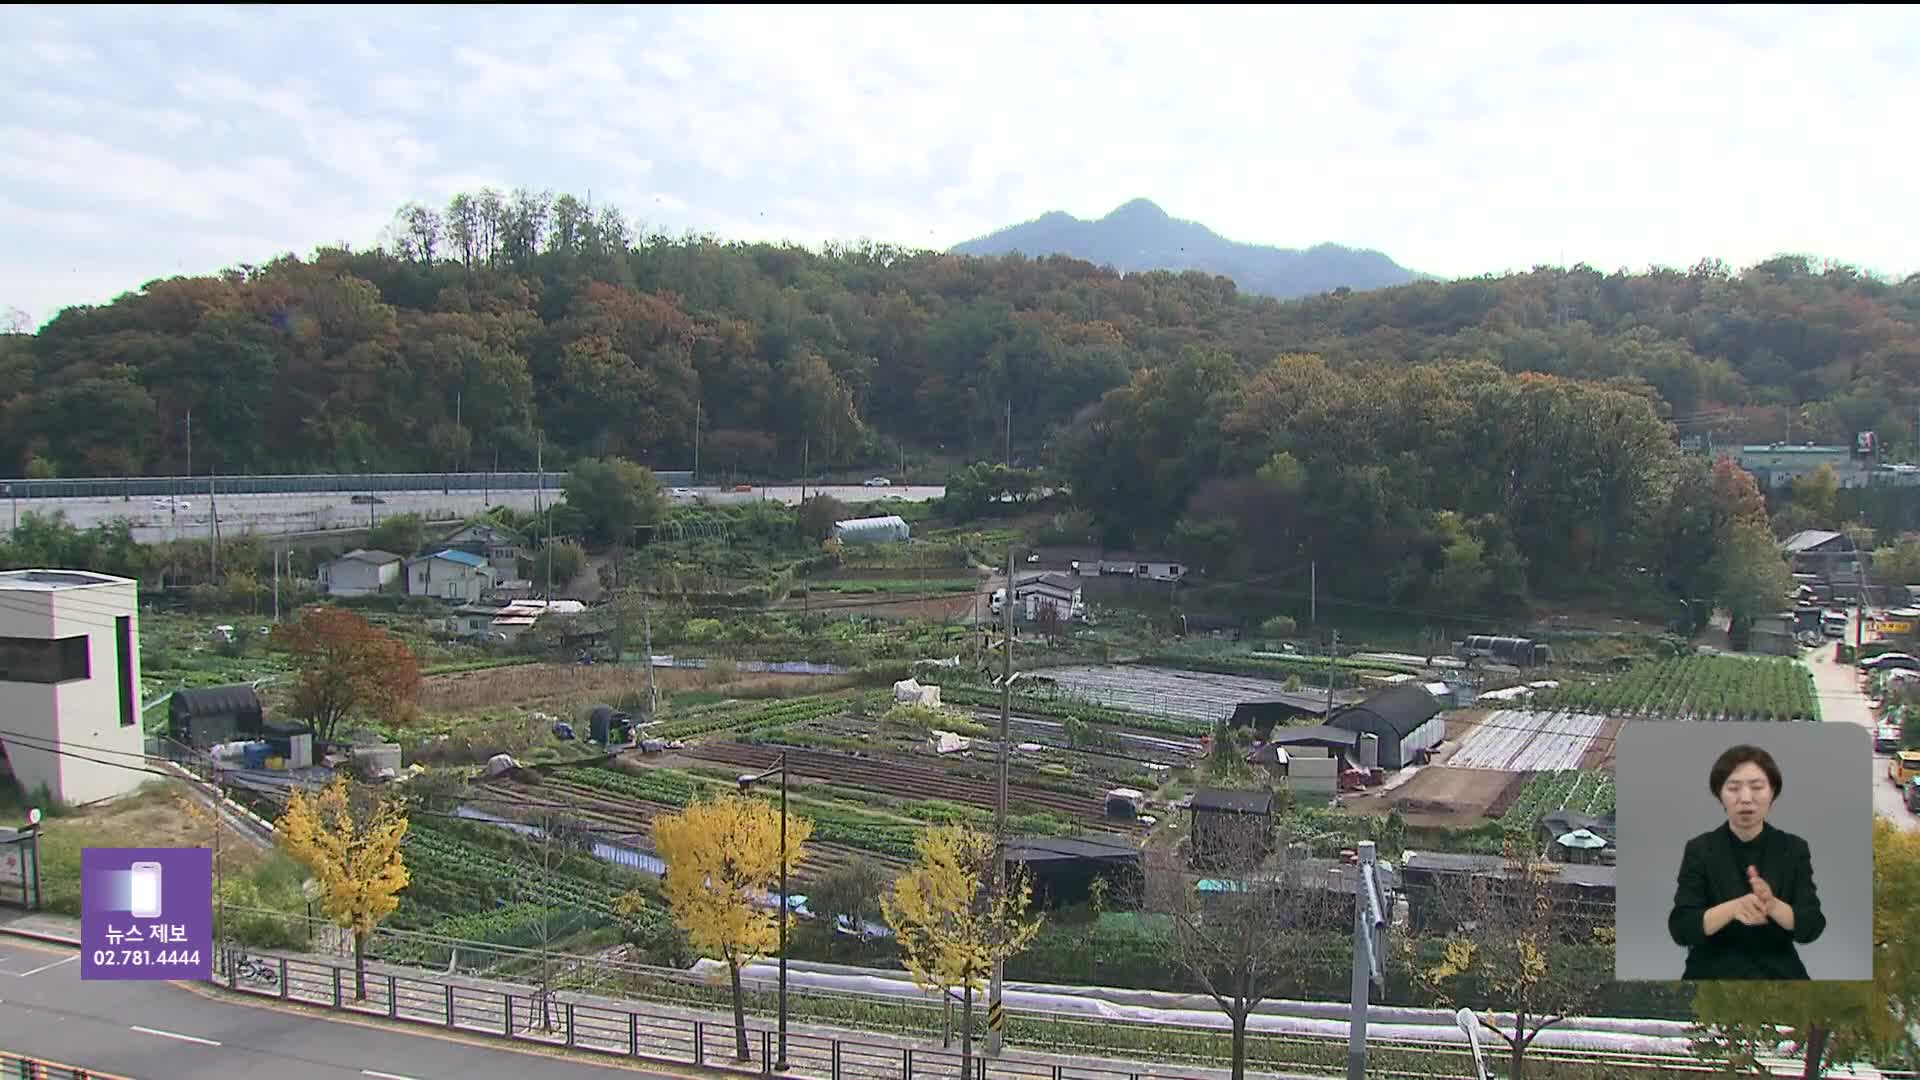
1139, 236
1138, 210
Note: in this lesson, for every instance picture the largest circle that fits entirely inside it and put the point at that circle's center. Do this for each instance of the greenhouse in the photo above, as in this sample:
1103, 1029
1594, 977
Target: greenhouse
874, 530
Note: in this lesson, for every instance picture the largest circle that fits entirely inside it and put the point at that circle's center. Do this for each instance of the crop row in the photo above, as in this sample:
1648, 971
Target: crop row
1580, 790
777, 714
1060, 707
1733, 688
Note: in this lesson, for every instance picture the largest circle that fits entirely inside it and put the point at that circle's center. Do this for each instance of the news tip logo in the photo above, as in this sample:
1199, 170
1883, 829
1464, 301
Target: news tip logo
146, 913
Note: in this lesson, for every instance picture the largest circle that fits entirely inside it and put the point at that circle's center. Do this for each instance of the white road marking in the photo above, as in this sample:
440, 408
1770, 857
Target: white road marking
173, 1035
45, 967
383, 1076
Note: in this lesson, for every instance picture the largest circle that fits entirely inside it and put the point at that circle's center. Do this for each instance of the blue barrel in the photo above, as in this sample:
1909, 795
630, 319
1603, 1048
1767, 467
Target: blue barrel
255, 755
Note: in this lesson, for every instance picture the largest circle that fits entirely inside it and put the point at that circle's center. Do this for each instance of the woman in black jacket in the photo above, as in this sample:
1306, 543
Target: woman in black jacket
1746, 892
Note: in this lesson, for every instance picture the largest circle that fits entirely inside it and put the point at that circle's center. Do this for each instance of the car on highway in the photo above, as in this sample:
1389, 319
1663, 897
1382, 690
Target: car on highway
369, 500
164, 503
877, 481
683, 493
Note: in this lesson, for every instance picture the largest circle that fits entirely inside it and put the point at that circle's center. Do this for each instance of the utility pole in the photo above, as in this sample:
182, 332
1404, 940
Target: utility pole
189, 441
1313, 593
213, 530
1369, 928
696, 444
646, 626
619, 613
806, 467
1332, 653
276, 587
1000, 798
1009, 432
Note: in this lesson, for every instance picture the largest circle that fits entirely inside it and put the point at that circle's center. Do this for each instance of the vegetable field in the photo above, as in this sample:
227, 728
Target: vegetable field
1586, 791
1697, 688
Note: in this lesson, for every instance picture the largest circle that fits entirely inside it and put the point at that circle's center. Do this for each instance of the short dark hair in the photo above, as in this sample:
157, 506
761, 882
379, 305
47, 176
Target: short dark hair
1736, 756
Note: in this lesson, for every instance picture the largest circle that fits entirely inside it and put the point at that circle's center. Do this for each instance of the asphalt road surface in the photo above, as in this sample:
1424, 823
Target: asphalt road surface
1842, 700
155, 521
159, 1031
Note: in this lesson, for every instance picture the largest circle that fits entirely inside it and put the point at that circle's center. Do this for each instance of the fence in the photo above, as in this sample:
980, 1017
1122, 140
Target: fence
642, 1035
295, 484
40, 1069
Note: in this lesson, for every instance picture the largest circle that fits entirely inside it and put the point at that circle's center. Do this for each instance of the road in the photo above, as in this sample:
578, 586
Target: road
322, 512
1837, 686
159, 1031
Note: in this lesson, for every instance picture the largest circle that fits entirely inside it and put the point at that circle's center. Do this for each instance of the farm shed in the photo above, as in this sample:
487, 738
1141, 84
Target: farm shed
1584, 892
874, 530
1406, 719
1278, 711
1063, 869
1336, 741
1227, 820
215, 714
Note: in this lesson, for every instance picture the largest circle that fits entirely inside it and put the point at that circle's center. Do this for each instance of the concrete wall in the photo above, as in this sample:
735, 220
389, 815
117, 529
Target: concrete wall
82, 716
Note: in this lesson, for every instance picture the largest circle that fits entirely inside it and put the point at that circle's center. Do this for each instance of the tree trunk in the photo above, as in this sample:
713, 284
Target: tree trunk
946, 1020
966, 1033
739, 1018
1240, 1043
359, 966
1816, 1050
1519, 1071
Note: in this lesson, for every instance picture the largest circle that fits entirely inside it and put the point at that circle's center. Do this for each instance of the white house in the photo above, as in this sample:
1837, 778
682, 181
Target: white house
1059, 592
501, 548
450, 575
70, 683
361, 572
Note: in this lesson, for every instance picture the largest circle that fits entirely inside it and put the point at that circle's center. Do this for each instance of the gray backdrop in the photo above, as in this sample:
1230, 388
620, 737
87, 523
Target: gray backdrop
1662, 802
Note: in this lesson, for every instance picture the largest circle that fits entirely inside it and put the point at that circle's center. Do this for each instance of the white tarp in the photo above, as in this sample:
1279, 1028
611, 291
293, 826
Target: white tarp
909, 691
950, 742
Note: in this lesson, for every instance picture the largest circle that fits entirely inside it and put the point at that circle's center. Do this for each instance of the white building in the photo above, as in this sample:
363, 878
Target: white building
450, 575
361, 573
70, 683
1058, 592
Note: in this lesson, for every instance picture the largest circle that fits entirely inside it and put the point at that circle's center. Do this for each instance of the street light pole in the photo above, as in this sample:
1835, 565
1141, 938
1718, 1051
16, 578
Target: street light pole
747, 780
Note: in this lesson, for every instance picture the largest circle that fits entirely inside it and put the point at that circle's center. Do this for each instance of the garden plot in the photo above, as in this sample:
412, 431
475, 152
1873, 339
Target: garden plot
1191, 695
1523, 741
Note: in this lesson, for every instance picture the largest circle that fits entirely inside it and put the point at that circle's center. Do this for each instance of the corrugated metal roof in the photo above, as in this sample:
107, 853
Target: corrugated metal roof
1233, 800
213, 700
377, 558
1808, 539
464, 558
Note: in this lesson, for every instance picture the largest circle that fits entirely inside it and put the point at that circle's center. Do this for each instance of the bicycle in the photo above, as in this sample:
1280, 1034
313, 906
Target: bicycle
246, 969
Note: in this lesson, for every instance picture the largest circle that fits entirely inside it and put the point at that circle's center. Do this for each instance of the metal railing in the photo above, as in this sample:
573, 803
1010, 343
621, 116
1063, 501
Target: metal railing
639, 1034
27, 1068
292, 484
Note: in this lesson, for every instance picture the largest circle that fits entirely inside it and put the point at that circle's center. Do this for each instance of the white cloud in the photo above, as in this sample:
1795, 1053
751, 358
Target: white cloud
1457, 140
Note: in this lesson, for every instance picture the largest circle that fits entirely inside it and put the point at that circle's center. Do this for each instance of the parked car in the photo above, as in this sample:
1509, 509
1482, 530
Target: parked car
1891, 661
1913, 796
1886, 738
878, 481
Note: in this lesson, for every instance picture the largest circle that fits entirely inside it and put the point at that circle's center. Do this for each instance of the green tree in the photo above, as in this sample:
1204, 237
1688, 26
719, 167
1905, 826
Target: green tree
613, 496
817, 513
1817, 494
402, 534
559, 562
1899, 561
1751, 576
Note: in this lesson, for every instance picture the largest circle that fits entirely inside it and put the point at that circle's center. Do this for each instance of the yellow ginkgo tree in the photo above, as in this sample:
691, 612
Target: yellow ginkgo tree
350, 842
723, 862
1512, 932
950, 922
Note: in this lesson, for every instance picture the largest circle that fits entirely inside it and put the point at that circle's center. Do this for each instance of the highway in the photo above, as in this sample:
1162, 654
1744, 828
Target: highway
162, 1031
276, 514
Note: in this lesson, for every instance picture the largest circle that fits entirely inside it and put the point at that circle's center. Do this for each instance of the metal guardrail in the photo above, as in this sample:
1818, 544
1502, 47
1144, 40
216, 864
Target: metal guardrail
27, 1068
96, 487
638, 1034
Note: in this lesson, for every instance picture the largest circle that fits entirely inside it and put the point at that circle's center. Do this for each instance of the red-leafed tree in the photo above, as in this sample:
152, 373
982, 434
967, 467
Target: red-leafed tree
347, 668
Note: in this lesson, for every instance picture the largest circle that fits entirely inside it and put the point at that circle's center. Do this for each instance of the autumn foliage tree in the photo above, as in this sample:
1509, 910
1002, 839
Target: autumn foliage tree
1510, 931
347, 668
1831, 1023
952, 924
723, 857
349, 839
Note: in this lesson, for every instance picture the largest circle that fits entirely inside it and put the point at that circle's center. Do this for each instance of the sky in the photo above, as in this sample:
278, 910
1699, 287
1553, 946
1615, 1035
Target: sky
143, 143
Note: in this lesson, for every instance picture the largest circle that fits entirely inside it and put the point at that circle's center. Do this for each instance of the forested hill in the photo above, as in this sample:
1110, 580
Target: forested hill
1140, 236
477, 327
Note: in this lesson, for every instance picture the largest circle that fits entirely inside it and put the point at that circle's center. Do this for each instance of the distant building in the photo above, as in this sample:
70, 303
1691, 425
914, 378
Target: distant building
1059, 593
1093, 562
1778, 464
70, 683
361, 572
502, 548
1406, 719
214, 714
450, 575
1229, 824
1063, 869
891, 529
